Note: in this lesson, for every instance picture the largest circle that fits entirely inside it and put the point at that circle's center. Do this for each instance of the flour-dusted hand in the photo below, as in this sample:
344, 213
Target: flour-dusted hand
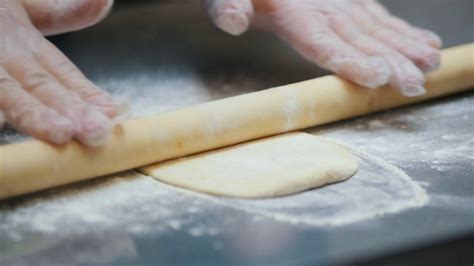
357, 39
42, 93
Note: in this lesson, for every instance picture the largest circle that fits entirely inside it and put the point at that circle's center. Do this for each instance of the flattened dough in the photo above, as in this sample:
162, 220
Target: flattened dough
269, 167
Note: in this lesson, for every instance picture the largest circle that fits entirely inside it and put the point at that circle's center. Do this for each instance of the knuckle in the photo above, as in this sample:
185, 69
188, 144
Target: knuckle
91, 94
22, 116
7, 83
68, 69
85, 88
71, 73
38, 81
374, 30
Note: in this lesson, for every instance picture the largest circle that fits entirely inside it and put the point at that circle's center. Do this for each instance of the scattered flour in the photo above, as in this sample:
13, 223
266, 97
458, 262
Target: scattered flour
146, 96
139, 205
377, 188
439, 136
436, 140
131, 201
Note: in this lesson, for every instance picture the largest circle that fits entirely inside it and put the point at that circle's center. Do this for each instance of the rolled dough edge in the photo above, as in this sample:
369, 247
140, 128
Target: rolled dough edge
266, 189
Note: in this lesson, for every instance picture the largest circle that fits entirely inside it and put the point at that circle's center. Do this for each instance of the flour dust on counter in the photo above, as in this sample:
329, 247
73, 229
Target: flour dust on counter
146, 96
377, 189
435, 139
130, 201
431, 136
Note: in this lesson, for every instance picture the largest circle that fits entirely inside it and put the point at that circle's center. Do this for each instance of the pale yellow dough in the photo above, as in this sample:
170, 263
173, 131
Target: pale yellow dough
274, 166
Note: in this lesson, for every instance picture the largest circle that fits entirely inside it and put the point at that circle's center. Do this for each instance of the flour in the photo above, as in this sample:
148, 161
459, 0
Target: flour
291, 110
129, 201
413, 137
377, 189
146, 96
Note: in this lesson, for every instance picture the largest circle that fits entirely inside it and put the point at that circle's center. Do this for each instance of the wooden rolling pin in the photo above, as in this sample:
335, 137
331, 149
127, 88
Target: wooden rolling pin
33, 165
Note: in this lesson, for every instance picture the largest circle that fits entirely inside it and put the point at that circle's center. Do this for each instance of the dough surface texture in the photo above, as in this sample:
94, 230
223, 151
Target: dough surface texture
269, 167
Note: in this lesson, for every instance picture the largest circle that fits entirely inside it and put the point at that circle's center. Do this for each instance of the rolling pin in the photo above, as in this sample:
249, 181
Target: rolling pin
31, 166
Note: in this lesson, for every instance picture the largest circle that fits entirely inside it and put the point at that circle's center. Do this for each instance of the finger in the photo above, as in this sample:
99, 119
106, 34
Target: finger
91, 126
231, 16
56, 63
424, 56
30, 116
384, 17
59, 16
406, 77
319, 44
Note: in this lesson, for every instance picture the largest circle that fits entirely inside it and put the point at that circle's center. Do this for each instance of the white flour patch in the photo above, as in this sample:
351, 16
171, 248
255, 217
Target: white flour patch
429, 136
291, 110
130, 201
377, 189
147, 96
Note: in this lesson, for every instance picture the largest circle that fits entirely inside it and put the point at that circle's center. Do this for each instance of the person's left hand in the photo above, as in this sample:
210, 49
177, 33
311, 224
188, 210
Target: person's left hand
357, 39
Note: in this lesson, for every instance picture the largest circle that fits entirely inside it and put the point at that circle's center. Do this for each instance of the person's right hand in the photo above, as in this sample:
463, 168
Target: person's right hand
42, 93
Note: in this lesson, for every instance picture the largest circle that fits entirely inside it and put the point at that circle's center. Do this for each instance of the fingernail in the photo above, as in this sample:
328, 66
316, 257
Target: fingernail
118, 111
233, 22
412, 91
381, 72
371, 72
426, 58
96, 128
433, 61
434, 39
123, 111
62, 130
123, 115
114, 109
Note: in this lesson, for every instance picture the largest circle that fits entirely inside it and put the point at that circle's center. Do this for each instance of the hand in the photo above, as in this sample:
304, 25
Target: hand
357, 39
42, 93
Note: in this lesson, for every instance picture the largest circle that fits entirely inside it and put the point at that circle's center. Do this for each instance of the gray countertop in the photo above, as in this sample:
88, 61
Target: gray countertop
415, 188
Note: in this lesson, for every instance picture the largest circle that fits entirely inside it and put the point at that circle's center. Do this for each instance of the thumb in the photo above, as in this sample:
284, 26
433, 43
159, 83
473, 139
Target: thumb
231, 16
